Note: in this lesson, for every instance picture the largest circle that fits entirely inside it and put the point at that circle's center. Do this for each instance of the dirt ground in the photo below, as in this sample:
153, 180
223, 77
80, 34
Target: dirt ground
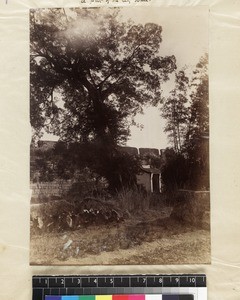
138, 240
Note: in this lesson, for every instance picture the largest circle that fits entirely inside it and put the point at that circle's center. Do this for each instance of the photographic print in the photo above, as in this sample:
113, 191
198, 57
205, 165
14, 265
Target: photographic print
119, 157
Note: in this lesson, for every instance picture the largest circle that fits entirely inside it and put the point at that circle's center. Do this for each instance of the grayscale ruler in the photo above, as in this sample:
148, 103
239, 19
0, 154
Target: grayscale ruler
165, 286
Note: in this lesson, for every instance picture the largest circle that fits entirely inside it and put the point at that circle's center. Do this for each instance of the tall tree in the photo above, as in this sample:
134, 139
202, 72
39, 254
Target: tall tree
199, 105
102, 69
91, 73
175, 111
187, 116
197, 136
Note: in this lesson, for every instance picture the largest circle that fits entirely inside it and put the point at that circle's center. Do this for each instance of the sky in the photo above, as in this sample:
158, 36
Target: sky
185, 35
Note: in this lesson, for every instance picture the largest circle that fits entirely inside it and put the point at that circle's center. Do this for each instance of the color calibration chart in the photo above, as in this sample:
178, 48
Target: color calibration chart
123, 297
120, 287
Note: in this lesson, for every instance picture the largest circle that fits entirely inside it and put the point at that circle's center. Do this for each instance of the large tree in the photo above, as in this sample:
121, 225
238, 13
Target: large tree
91, 73
102, 69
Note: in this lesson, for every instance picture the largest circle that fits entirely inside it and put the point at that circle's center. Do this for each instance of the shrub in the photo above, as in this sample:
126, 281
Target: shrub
191, 208
62, 215
137, 200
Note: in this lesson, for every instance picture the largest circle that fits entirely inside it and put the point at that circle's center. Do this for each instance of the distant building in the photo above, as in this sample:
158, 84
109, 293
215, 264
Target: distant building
150, 179
149, 176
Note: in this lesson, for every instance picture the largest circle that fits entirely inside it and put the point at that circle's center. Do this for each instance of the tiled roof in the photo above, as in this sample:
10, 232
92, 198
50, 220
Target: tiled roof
151, 170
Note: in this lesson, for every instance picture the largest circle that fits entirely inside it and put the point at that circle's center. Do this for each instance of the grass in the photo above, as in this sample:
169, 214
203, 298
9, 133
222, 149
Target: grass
133, 200
127, 243
131, 221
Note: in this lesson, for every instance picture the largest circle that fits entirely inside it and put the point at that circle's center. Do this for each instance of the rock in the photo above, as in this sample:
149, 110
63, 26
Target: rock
40, 222
67, 244
124, 244
69, 221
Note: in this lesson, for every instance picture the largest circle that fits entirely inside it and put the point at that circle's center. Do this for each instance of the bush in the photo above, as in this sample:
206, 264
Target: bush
62, 215
132, 199
137, 200
192, 208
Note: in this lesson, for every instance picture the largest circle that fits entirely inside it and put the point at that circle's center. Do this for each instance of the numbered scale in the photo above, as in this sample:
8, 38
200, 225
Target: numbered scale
120, 287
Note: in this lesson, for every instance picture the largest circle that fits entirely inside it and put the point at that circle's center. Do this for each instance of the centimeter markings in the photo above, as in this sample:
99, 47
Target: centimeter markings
108, 281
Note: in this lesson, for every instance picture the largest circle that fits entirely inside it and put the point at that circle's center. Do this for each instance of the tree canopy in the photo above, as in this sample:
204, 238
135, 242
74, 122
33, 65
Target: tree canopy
175, 111
187, 121
91, 72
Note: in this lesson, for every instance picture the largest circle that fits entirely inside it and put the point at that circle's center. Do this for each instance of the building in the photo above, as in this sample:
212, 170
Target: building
149, 176
150, 179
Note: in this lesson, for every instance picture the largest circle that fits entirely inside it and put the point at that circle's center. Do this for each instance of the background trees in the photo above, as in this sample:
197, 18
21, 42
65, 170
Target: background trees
175, 111
197, 135
187, 116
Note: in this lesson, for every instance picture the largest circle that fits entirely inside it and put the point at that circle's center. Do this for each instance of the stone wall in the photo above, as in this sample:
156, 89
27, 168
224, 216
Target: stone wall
144, 179
49, 190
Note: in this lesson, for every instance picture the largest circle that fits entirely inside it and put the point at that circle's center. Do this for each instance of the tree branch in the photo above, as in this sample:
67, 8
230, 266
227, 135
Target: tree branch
90, 75
124, 66
64, 12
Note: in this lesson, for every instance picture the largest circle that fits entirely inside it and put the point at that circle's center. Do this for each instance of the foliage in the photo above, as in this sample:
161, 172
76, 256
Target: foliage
175, 111
197, 136
103, 69
192, 208
94, 165
58, 216
91, 73
187, 114
135, 200
43, 169
175, 171
90, 167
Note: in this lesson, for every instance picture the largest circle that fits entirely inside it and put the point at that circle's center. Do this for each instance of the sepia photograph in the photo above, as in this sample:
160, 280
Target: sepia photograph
119, 156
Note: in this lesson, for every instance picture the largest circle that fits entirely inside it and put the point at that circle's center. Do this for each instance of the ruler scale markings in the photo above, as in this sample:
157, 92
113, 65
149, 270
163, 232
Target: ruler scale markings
114, 285
166, 281
183, 281
160, 281
191, 281
96, 281
200, 281
69, 282
152, 282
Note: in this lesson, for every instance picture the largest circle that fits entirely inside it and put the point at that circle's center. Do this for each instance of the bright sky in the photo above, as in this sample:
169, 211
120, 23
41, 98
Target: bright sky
185, 35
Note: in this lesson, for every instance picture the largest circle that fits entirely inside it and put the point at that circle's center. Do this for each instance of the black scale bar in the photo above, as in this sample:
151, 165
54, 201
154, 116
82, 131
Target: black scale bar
116, 284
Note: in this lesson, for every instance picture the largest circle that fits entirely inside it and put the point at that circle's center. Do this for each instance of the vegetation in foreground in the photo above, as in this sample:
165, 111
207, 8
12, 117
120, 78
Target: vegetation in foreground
103, 227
